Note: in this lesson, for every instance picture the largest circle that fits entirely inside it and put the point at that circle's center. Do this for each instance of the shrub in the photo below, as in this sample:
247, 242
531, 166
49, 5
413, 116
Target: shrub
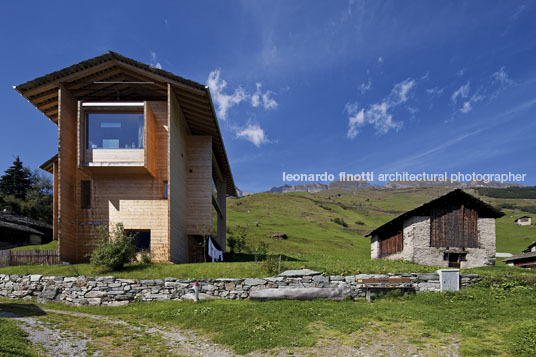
340, 222
231, 243
272, 264
259, 251
114, 250
145, 257
237, 243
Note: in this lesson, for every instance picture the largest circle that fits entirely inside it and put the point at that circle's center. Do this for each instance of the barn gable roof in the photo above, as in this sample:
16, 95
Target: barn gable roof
455, 197
114, 77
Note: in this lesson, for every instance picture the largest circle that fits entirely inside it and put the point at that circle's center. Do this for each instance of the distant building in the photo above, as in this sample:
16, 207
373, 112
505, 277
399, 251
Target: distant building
523, 221
527, 259
16, 231
455, 230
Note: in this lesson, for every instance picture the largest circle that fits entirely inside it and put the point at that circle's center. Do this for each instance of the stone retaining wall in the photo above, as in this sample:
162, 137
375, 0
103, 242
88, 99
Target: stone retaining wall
111, 291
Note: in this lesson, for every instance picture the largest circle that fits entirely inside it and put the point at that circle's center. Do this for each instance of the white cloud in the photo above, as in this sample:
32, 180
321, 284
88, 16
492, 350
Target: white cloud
435, 92
462, 92
380, 59
253, 133
267, 101
223, 101
461, 72
154, 62
256, 97
265, 98
400, 91
501, 77
365, 87
467, 107
379, 114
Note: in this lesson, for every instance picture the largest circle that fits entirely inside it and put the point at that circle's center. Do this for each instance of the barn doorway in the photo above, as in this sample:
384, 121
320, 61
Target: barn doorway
454, 260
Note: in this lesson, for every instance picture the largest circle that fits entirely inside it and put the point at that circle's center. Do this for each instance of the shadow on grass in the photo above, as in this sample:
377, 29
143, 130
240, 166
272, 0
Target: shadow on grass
20, 310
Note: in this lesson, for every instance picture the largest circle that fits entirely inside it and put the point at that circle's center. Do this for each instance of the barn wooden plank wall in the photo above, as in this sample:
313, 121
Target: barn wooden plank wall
454, 226
393, 244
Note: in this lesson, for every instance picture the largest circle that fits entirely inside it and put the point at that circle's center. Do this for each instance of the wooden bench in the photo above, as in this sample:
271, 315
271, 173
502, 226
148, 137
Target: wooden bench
404, 284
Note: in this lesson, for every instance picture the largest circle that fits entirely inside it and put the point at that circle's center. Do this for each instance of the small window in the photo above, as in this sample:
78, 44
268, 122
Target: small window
165, 190
85, 190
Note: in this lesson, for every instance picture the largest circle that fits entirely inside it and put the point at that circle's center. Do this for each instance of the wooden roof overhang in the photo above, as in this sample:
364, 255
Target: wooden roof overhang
48, 165
454, 197
114, 77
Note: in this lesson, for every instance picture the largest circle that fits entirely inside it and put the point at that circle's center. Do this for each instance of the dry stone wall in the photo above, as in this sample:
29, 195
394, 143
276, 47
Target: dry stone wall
111, 291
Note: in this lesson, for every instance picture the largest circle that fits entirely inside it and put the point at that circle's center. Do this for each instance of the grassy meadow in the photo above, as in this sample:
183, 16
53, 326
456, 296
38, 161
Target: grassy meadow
314, 240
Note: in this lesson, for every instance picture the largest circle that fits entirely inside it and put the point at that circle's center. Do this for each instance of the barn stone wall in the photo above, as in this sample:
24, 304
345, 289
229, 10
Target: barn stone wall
417, 248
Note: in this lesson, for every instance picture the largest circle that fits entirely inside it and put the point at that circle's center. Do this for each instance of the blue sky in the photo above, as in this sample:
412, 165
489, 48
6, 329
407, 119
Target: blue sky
306, 86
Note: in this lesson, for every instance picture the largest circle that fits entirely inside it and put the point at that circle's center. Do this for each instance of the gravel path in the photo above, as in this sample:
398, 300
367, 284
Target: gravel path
58, 343
185, 342
53, 341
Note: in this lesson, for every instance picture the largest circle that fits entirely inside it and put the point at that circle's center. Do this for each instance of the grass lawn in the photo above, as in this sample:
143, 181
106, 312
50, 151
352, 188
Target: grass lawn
53, 245
13, 340
327, 264
498, 319
314, 240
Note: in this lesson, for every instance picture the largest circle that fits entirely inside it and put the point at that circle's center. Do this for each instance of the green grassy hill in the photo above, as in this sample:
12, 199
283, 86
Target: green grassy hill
318, 242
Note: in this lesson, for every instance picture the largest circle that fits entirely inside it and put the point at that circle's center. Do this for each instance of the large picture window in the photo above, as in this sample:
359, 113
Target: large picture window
115, 131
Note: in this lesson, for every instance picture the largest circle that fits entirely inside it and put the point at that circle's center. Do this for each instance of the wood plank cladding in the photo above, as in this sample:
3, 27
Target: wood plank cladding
199, 185
177, 193
67, 182
149, 139
111, 157
392, 244
454, 226
132, 198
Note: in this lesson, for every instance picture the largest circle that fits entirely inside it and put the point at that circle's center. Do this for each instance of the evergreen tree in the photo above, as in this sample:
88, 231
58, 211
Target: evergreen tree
26, 193
16, 181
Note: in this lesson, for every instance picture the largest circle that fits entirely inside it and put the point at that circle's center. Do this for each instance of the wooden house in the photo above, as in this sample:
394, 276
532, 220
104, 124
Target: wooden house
455, 230
527, 259
523, 221
16, 231
136, 145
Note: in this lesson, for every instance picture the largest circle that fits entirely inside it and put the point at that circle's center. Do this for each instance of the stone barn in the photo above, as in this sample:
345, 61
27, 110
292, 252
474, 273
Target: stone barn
455, 230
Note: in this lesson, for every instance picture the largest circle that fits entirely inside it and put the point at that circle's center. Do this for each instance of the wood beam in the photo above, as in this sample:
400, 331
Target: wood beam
161, 78
217, 207
48, 86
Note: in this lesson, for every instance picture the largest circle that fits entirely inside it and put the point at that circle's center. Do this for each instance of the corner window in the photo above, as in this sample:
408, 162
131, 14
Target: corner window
115, 131
114, 125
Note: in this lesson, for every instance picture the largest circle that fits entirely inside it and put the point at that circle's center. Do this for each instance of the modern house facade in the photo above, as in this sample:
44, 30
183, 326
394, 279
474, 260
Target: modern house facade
455, 230
136, 145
